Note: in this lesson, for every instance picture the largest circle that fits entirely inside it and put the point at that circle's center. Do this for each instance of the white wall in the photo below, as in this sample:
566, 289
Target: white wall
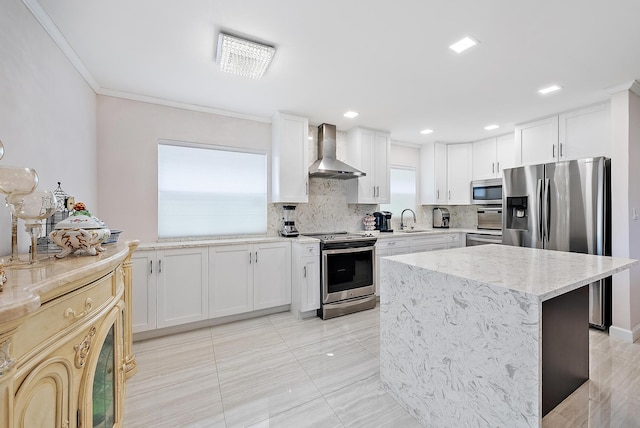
47, 114
128, 133
625, 176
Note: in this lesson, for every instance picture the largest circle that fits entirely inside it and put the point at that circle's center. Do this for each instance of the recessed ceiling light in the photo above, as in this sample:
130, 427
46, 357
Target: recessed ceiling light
463, 45
549, 89
426, 131
351, 114
491, 127
243, 57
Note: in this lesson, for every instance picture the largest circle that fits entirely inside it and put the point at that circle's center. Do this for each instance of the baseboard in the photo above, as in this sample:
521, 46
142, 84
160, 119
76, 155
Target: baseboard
625, 335
152, 334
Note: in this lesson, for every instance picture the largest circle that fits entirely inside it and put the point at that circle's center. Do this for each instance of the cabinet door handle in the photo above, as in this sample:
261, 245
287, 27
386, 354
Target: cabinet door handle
374, 191
249, 257
306, 188
437, 194
159, 266
256, 257
150, 266
498, 167
561, 154
305, 272
449, 194
553, 150
493, 168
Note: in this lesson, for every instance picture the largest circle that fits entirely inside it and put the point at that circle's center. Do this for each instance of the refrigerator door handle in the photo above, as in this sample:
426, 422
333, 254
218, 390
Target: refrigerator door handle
539, 197
547, 210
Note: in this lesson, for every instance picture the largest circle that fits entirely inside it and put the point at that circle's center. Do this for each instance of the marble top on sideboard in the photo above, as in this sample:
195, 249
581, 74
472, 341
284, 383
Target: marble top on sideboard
28, 286
542, 273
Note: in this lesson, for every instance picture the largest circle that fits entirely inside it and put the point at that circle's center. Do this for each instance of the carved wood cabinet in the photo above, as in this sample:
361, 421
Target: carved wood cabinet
65, 342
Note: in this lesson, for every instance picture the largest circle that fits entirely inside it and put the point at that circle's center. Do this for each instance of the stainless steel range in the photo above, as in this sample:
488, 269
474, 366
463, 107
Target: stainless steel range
347, 264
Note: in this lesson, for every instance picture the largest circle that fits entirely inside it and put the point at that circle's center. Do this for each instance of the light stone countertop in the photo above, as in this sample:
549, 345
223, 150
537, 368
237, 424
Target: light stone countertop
542, 273
433, 231
164, 245
27, 287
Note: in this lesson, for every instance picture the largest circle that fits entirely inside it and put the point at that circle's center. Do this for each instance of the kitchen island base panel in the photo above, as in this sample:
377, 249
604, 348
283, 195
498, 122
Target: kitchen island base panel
455, 352
565, 350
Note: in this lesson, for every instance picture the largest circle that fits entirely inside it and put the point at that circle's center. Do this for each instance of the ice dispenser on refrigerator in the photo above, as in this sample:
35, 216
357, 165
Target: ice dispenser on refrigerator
517, 215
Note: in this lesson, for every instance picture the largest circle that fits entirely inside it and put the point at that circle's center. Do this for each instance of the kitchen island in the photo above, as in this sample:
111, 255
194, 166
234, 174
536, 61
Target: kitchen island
461, 332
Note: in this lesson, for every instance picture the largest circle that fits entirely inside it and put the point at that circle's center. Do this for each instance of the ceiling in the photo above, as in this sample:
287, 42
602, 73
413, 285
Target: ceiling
389, 61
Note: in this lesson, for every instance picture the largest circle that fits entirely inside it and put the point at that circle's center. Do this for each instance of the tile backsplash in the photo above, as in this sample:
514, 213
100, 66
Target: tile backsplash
328, 211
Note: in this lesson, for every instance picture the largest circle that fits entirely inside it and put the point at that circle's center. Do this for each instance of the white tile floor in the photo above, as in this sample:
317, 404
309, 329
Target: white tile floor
276, 371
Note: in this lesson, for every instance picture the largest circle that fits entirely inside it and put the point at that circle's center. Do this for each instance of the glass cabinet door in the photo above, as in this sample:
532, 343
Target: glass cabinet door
104, 385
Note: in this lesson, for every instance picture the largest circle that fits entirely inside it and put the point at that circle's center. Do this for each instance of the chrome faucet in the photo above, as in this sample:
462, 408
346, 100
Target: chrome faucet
402, 225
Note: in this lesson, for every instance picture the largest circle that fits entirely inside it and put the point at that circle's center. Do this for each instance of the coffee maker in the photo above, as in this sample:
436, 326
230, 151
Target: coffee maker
289, 221
383, 221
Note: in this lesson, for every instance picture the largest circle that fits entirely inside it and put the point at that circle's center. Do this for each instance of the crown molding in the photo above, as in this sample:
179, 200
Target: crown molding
180, 105
43, 18
632, 86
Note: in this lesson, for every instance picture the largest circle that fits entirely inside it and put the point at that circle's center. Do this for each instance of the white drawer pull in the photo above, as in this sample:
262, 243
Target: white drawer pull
88, 305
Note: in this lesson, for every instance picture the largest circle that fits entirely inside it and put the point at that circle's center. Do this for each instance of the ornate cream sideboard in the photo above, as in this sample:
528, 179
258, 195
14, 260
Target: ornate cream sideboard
65, 341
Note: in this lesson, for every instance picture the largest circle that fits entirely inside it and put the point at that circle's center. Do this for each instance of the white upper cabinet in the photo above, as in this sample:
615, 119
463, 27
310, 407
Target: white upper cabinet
505, 153
537, 142
368, 151
459, 168
433, 174
492, 155
290, 158
577, 134
585, 133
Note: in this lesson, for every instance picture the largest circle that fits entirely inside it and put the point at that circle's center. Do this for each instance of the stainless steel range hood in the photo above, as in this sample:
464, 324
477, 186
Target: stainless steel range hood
327, 166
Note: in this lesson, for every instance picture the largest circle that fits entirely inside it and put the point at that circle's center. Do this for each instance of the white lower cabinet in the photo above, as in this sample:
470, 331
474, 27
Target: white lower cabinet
414, 244
437, 242
169, 287
248, 277
230, 280
389, 247
305, 278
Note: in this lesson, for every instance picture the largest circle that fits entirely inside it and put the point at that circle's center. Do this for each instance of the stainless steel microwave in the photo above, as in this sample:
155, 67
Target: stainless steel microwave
487, 192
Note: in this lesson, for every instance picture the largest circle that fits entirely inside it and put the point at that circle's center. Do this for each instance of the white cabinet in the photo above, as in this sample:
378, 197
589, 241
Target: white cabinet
231, 280
433, 174
170, 287
144, 291
272, 275
436, 242
389, 247
290, 158
585, 133
368, 151
459, 168
577, 134
305, 278
537, 142
248, 277
492, 155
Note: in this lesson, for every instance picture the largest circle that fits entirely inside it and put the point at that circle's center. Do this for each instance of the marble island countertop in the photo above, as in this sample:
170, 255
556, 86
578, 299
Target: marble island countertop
541, 273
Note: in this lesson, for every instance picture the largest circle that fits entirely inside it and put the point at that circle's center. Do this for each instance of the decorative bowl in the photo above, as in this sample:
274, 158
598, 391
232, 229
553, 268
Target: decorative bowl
80, 232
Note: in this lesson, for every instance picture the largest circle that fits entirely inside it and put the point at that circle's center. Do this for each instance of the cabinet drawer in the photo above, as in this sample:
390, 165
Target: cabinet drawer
59, 314
307, 250
392, 243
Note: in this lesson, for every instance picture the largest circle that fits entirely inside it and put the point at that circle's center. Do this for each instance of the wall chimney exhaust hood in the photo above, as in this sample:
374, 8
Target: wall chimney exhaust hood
327, 166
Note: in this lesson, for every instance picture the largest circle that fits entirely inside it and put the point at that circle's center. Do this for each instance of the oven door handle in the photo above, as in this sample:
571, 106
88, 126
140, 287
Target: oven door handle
349, 250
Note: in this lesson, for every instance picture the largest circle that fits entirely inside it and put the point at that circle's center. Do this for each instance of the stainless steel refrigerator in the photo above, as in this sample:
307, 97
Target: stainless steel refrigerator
563, 206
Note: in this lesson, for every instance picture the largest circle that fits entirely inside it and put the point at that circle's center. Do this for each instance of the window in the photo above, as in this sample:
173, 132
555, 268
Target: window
402, 190
210, 191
